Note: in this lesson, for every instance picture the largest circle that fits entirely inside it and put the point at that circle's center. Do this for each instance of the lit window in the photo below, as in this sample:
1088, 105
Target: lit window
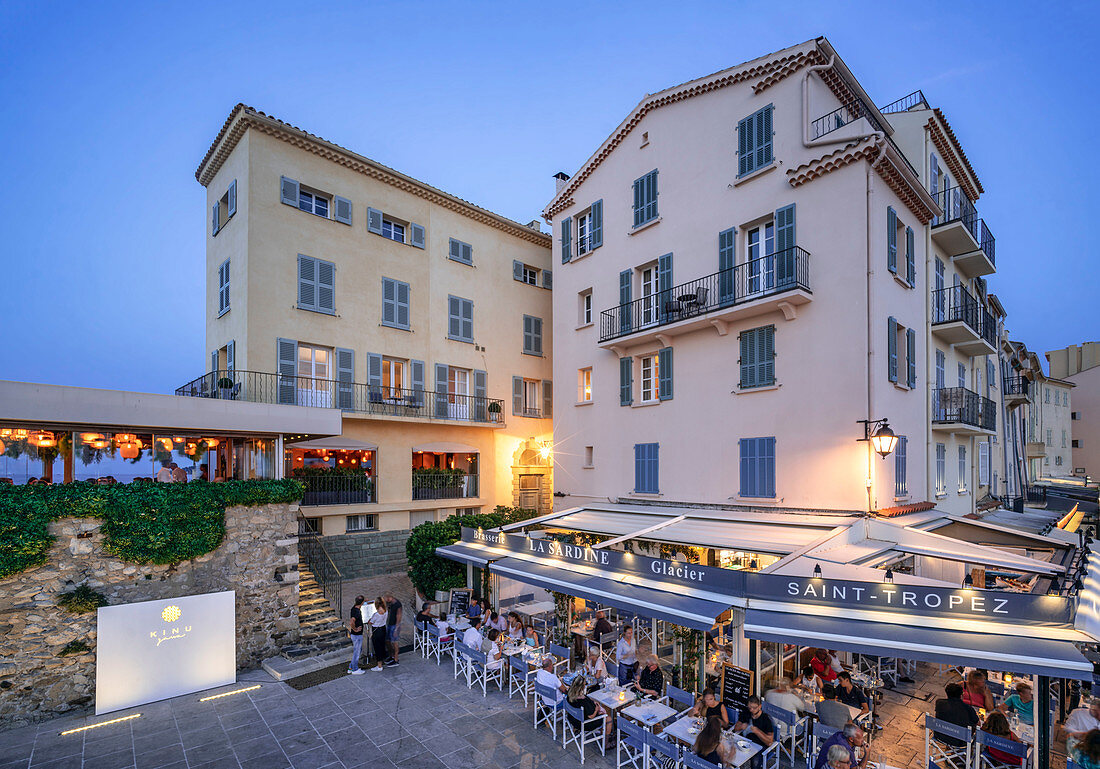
584, 385
361, 523
532, 397
649, 379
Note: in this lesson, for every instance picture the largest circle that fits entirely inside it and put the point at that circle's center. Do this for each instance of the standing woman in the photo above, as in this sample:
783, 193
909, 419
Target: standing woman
378, 639
626, 655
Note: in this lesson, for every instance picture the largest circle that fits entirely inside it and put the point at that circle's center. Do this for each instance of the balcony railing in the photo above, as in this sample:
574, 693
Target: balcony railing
988, 243
337, 490
958, 405
955, 303
767, 276
957, 207
842, 116
905, 103
1017, 385
261, 387
444, 485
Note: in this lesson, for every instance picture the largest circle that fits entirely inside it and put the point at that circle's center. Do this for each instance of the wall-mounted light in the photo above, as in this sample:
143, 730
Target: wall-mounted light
968, 582
882, 438
888, 578
1055, 587
817, 571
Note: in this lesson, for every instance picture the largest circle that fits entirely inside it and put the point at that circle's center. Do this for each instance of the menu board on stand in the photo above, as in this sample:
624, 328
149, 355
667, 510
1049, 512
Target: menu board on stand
736, 688
460, 601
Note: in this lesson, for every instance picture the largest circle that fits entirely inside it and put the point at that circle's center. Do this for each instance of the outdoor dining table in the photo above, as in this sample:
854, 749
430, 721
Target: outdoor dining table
810, 702
648, 713
685, 729
613, 697
531, 654
532, 608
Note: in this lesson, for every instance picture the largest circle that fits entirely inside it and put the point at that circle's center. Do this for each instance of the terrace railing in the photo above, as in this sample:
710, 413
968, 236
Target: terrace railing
444, 485
988, 242
777, 273
842, 116
958, 405
337, 489
311, 549
905, 103
1017, 385
955, 303
957, 207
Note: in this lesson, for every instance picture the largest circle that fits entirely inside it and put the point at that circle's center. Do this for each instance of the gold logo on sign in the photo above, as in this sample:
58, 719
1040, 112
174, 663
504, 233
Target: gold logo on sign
170, 613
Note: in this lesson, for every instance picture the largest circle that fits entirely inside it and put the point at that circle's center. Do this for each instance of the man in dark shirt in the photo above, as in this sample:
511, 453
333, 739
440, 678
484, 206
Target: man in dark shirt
355, 630
850, 694
849, 738
953, 710
602, 626
754, 723
425, 613
393, 627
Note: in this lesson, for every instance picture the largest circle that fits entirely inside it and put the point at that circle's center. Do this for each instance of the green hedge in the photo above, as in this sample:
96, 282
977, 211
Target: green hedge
428, 571
158, 523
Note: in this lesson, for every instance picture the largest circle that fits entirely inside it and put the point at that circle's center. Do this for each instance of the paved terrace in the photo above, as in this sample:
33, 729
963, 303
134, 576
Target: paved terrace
415, 716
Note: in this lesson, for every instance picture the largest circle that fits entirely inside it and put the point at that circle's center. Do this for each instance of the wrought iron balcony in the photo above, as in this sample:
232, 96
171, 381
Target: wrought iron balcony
783, 275
906, 103
337, 489
262, 387
442, 484
842, 116
1016, 390
965, 237
959, 319
958, 409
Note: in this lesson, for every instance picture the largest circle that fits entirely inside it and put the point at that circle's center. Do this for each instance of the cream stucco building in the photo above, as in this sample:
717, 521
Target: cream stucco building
334, 281
1079, 365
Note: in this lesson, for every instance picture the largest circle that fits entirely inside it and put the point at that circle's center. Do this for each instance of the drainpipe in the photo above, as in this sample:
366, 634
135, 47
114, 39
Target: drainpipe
870, 317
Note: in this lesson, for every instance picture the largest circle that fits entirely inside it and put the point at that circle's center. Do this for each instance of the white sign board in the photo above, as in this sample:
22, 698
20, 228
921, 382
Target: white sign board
154, 650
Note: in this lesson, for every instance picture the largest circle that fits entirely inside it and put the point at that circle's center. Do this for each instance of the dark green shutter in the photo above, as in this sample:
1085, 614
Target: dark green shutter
746, 157
727, 255
286, 355
891, 240
595, 239
566, 240
345, 378
765, 355
664, 283
625, 307
748, 358
911, 357
910, 257
785, 255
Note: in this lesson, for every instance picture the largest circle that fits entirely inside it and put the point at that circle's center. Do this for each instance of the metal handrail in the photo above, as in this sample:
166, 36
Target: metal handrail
769, 275
264, 387
988, 243
842, 116
957, 207
958, 405
905, 103
463, 486
1017, 385
320, 563
955, 303
337, 490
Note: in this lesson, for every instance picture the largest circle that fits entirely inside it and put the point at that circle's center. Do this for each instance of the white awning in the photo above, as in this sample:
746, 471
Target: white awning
335, 443
445, 447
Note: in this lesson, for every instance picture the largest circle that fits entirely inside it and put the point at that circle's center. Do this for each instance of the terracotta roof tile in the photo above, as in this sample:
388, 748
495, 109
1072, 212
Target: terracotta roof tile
916, 507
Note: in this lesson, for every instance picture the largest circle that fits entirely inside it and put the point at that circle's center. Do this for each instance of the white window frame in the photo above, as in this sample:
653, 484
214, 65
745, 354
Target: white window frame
584, 232
584, 385
312, 373
223, 288
650, 378
586, 307
760, 272
649, 280
458, 383
941, 468
962, 470
390, 228
394, 376
530, 275
310, 200
532, 397
369, 522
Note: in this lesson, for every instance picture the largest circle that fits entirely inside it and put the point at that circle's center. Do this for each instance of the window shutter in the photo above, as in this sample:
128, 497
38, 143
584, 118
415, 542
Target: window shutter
341, 209
639, 204
664, 373
784, 246
639, 467
467, 253
214, 362
374, 375
232, 206
536, 335
764, 137
911, 357
389, 301
417, 233
651, 195
934, 172
765, 461
626, 381
746, 156
467, 320
547, 279
892, 349
454, 317
727, 254
517, 396
748, 358
416, 374
517, 270
214, 220
891, 240
442, 372
480, 391
566, 241
748, 467
455, 250
307, 282
286, 354
223, 287
595, 237
664, 276
374, 221
403, 304
345, 378
547, 399
910, 257
326, 286
230, 364
288, 190
765, 355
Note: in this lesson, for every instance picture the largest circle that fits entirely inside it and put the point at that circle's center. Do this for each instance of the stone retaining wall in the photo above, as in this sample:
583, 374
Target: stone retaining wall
368, 553
258, 559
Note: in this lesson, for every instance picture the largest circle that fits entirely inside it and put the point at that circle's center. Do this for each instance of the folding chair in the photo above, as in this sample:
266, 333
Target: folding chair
476, 670
675, 694
562, 654
544, 712
769, 757
580, 731
630, 749
445, 643
459, 653
944, 753
418, 638
429, 644
520, 678
494, 674
692, 761
665, 748
996, 689
790, 728
818, 736
612, 668
985, 740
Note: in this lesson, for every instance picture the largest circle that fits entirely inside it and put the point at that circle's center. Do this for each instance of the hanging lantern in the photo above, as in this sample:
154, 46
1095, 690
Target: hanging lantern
166, 444
212, 443
89, 437
100, 443
129, 450
192, 448
125, 437
19, 435
5, 432
46, 440
178, 439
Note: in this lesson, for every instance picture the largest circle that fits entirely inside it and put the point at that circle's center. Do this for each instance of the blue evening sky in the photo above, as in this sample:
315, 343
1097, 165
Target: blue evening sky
109, 107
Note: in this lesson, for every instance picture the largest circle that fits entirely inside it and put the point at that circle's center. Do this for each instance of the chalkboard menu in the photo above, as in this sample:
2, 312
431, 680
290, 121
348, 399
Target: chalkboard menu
460, 601
736, 688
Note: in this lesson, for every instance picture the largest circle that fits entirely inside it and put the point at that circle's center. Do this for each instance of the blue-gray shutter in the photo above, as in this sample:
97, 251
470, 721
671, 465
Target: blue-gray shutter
910, 257
374, 377
389, 301
536, 335
595, 237
442, 389
892, 349
639, 467
547, 279
646, 469
326, 286
286, 355
517, 396
214, 363
911, 357
748, 358
374, 221
402, 304
345, 378
664, 283
651, 195
748, 467
467, 308
901, 481
785, 255
934, 173
223, 287
764, 137
664, 374
341, 209
547, 399
746, 155
481, 384
891, 239
288, 191
765, 462
230, 355
625, 307
626, 381
727, 255
765, 355
214, 220
417, 235
454, 250
639, 201
454, 317
232, 204
517, 270
416, 373
566, 241
307, 282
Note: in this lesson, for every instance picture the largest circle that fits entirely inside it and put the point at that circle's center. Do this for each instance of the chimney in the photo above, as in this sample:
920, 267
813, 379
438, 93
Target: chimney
560, 178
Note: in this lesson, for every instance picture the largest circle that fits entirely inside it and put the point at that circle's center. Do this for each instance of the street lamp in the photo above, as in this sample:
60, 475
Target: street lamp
882, 439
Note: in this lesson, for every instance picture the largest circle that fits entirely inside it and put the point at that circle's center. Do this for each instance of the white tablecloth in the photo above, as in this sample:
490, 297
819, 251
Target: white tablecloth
649, 712
679, 729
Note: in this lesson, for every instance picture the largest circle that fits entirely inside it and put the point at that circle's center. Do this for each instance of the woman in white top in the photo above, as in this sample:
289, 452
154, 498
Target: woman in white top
377, 624
594, 666
809, 681
515, 627
494, 659
626, 654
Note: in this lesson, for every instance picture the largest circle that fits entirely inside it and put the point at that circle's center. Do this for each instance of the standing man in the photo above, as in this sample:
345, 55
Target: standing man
355, 630
164, 474
393, 628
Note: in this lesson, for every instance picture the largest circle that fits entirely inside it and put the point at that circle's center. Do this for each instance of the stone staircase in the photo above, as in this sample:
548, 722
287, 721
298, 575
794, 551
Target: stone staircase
321, 629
